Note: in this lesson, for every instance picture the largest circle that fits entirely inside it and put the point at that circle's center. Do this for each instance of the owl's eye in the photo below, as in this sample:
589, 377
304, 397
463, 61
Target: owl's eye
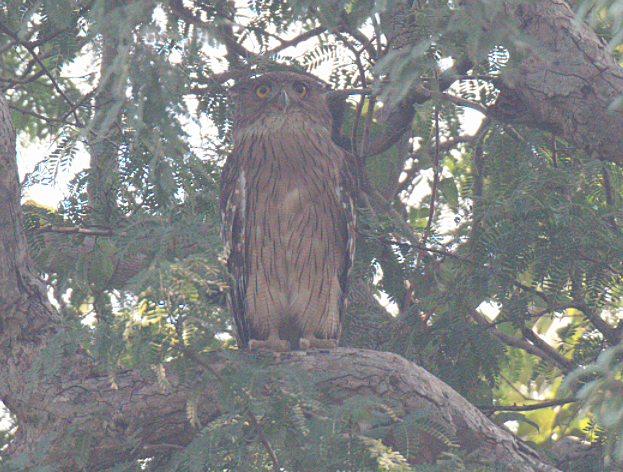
262, 91
300, 89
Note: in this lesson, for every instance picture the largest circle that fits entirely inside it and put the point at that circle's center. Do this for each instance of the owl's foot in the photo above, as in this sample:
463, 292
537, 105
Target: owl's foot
271, 344
309, 342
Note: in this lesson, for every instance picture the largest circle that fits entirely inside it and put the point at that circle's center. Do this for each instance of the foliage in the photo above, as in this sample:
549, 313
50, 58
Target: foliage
475, 238
599, 386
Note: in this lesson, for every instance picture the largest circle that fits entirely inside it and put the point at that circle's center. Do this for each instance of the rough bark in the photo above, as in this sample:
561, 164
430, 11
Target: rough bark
567, 84
132, 416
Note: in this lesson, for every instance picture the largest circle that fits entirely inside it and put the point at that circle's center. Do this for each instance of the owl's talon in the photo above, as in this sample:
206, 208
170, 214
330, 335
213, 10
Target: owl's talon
312, 341
271, 344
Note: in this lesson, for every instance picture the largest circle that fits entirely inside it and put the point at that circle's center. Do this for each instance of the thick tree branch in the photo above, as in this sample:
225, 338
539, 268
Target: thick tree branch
568, 85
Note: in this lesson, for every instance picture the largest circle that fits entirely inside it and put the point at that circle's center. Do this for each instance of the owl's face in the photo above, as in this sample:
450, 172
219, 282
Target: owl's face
279, 101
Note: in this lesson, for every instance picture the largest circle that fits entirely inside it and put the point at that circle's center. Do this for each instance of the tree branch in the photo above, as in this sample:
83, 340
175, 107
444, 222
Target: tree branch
73, 230
47, 119
556, 361
399, 116
567, 84
488, 409
296, 40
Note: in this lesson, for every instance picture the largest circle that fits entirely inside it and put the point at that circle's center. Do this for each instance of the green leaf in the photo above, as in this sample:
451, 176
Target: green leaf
449, 190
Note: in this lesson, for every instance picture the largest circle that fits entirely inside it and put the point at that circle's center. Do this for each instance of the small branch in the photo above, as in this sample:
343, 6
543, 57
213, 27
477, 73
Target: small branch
54, 83
512, 132
612, 335
488, 409
446, 145
477, 192
23, 79
463, 103
195, 357
516, 342
47, 119
365, 42
513, 388
79, 103
233, 46
609, 201
380, 204
73, 230
31, 50
401, 114
349, 91
529, 289
362, 79
437, 171
216, 79
265, 441
294, 41
536, 340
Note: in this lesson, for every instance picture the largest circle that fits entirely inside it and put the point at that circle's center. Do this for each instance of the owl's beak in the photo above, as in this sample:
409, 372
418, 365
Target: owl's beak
283, 100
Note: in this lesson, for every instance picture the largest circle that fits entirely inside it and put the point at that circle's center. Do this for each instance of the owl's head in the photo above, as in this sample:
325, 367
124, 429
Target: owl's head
279, 100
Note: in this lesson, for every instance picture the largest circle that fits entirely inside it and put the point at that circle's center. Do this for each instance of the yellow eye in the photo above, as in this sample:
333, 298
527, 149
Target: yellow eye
300, 89
262, 91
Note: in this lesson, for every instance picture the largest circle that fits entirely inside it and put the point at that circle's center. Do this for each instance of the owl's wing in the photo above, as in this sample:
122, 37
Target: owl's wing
347, 193
233, 209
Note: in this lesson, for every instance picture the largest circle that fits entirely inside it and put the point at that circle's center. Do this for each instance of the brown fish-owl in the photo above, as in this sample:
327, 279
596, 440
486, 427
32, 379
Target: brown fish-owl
288, 215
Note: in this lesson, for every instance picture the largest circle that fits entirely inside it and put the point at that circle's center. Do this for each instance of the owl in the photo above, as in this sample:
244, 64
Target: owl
288, 217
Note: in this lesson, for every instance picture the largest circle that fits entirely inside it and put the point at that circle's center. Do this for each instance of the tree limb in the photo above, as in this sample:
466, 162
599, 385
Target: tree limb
555, 360
568, 85
535, 406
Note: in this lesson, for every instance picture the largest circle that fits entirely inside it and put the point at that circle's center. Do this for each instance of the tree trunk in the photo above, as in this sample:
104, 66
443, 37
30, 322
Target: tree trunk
79, 417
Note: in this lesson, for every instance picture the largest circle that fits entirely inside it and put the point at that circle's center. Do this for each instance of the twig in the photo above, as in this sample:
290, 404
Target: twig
54, 82
44, 118
400, 116
365, 42
264, 440
73, 230
536, 406
517, 342
79, 103
294, 41
216, 79
608, 191
612, 335
349, 91
31, 50
362, 79
195, 357
433, 191
463, 102
446, 145
512, 387
543, 346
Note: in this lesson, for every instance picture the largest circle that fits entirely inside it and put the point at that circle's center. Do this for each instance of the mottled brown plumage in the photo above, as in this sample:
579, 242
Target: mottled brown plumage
288, 215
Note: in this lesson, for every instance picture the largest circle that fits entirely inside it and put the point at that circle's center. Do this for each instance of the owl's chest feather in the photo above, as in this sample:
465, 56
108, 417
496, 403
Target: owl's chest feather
284, 167
292, 187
